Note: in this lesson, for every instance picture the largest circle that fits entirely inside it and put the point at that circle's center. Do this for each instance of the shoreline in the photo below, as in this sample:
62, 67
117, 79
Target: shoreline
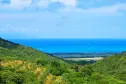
83, 55
85, 59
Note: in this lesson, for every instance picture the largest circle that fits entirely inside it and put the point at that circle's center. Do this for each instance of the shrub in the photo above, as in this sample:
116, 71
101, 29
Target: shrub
19, 77
87, 70
57, 69
41, 62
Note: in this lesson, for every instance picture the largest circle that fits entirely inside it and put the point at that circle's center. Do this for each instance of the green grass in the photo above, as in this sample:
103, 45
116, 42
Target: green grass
17, 51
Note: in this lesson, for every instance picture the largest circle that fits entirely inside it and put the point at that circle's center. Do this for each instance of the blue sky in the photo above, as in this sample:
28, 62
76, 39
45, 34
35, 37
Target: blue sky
63, 19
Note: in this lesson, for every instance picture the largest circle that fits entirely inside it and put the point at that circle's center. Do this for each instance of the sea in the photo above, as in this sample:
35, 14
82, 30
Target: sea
75, 45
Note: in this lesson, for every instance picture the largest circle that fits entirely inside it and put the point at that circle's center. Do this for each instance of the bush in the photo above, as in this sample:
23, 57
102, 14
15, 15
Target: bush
55, 64
57, 69
20, 77
75, 67
87, 70
41, 62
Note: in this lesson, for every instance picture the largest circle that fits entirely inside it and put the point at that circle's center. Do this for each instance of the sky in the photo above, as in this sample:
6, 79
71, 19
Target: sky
28, 19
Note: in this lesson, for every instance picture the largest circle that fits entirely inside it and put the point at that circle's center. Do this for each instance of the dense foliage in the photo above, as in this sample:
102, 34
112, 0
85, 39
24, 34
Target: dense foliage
13, 76
114, 66
24, 65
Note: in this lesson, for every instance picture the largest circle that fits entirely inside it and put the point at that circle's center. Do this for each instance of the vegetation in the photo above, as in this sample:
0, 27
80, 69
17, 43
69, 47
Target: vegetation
114, 66
17, 51
24, 65
12, 76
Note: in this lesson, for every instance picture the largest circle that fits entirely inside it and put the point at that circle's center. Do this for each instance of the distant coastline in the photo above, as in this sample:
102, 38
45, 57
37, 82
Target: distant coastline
83, 55
91, 57
85, 59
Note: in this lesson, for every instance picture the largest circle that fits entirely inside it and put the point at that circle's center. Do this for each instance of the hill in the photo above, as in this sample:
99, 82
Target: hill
110, 70
24, 65
15, 50
113, 65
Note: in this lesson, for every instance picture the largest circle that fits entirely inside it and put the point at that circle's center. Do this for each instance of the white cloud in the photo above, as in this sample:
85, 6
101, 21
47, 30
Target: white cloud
117, 8
70, 6
107, 9
67, 3
17, 4
20, 3
43, 3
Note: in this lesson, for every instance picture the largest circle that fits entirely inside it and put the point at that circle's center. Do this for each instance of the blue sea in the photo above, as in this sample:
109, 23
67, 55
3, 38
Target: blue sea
75, 45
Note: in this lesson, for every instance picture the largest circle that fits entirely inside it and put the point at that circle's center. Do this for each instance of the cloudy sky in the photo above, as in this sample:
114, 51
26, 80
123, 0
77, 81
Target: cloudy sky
63, 19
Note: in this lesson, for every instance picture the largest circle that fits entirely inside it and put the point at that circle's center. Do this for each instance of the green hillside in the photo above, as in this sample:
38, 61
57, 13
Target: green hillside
14, 50
110, 70
114, 66
24, 65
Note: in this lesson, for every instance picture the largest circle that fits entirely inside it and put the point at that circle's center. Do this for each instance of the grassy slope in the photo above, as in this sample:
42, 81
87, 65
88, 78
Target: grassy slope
39, 71
19, 57
114, 66
111, 70
19, 51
